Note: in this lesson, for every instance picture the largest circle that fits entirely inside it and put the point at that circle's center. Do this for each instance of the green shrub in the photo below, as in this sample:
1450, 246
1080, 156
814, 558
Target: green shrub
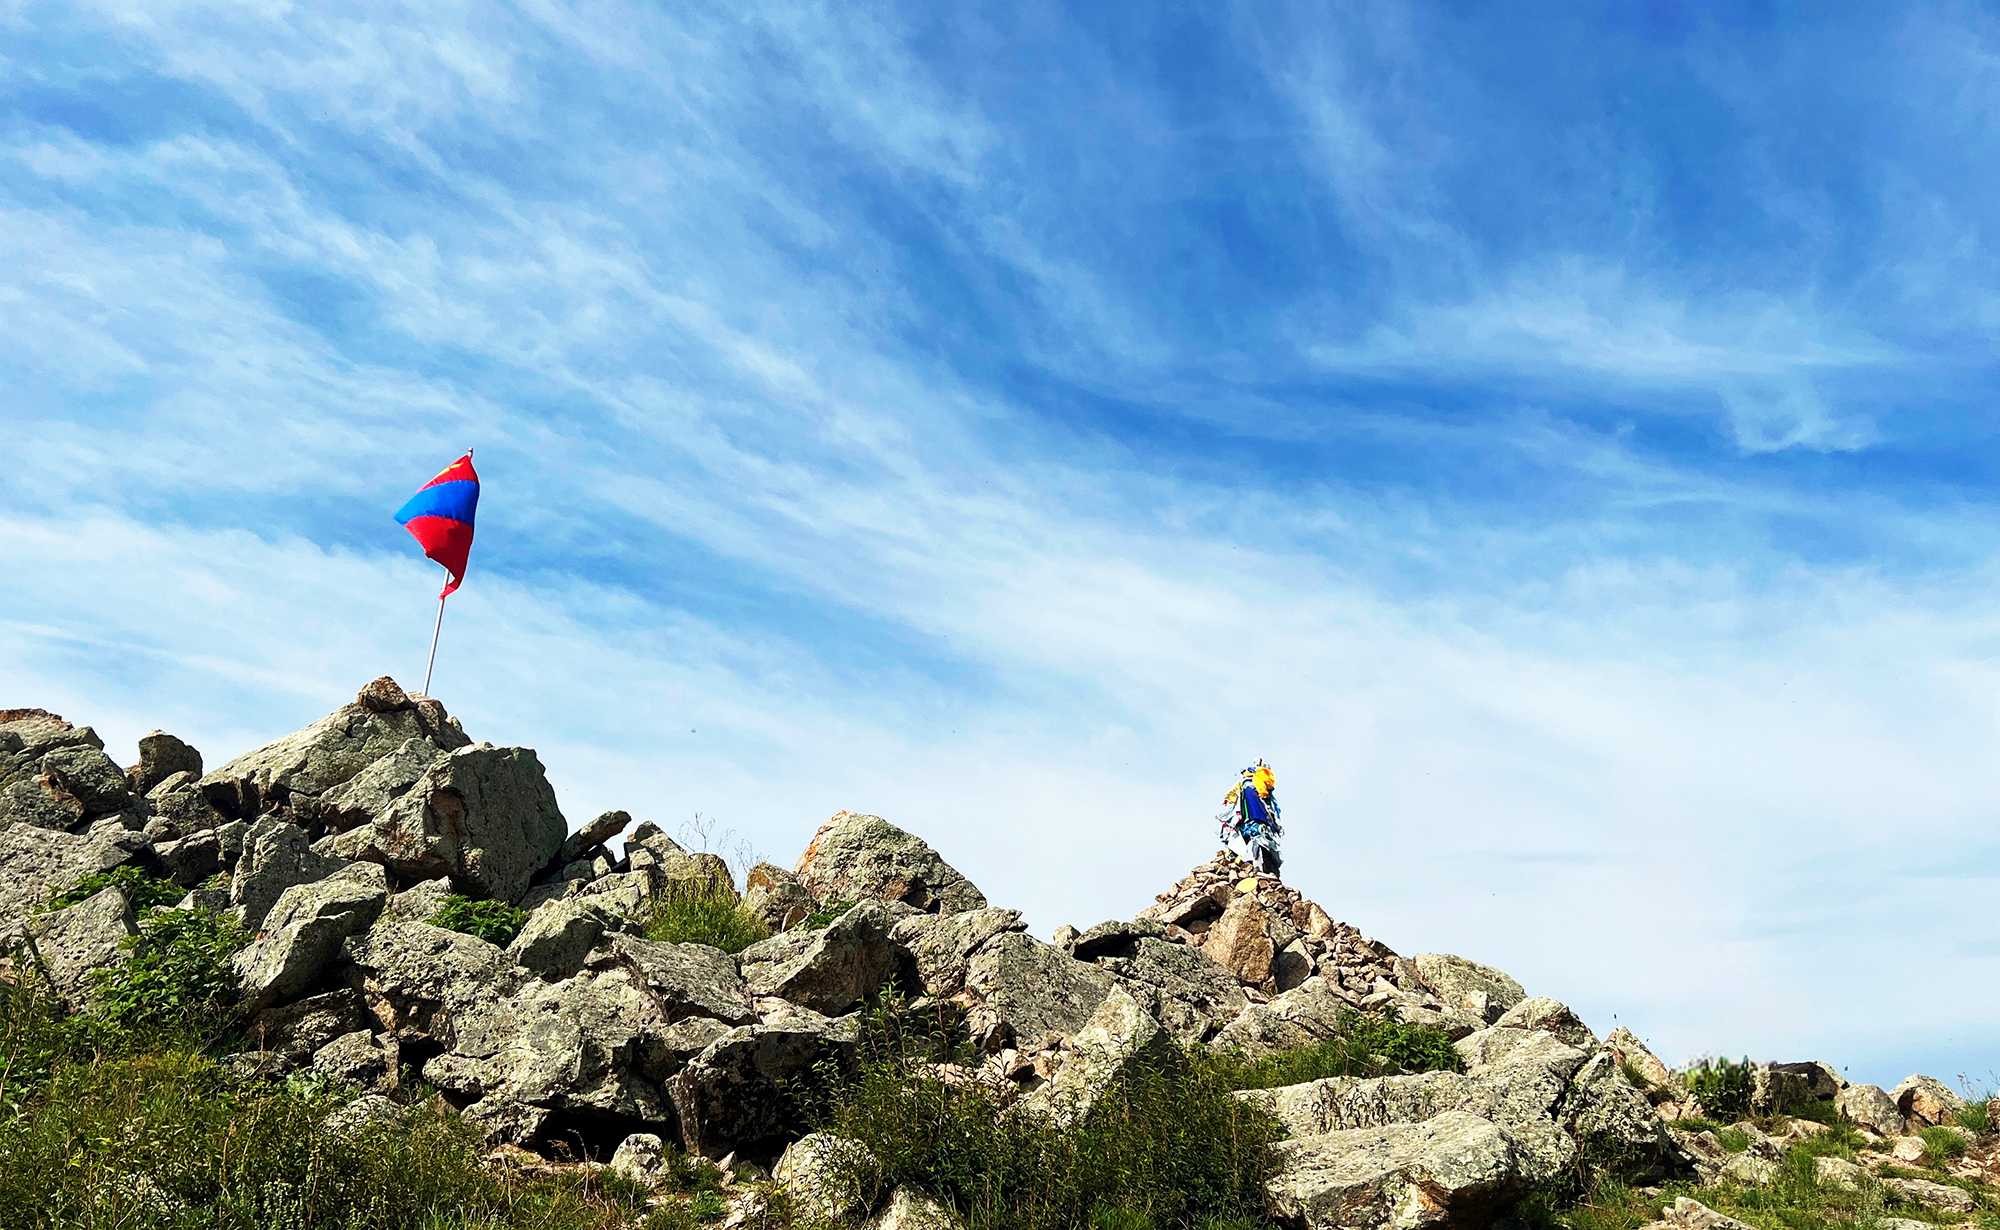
1941, 1144
143, 891
1693, 1124
178, 977
704, 914
1164, 1147
1977, 1116
496, 922
1722, 1088
1362, 1045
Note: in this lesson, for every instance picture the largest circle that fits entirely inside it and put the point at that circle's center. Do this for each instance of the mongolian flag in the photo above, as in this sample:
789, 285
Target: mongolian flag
439, 516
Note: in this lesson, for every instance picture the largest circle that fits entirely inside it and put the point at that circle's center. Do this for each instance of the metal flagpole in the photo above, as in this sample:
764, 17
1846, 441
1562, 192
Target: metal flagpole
434, 637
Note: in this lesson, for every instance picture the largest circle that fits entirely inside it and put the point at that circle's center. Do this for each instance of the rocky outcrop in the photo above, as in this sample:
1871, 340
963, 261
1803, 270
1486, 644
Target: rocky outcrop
1451, 1170
738, 1095
855, 856
827, 971
76, 941
38, 864
1120, 1039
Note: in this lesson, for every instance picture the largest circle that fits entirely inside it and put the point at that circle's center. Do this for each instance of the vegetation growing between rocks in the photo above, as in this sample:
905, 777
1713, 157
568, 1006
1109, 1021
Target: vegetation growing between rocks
141, 890
496, 922
1362, 1045
1723, 1088
703, 913
1162, 1149
177, 977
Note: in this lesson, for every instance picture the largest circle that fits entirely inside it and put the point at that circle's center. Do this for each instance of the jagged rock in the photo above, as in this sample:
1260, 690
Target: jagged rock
838, 967
370, 792
1872, 1108
371, 1110
1303, 1017
177, 802
909, 1209
943, 944
423, 983
1122, 1037
776, 896
483, 815
89, 776
641, 1157
1749, 1169
39, 802
734, 1096
1625, 1046
303, 931
297, 1030
1240, 940
1550, 1016
277, 856
1180, 987
418, 902
559, 936
686, 980
581, 1046
1686, 1214
1452, 1170
1112, 939
27, 735
1924, 1099
1820, 1082
191, 860
1841, 1173
1907, 1149
38, 864
1026, 988
1936, 1195
854, 856
606, 826
830, 1179
1479, 990
359, 1059
87, 936
1614, 1120
161, 756
328, 753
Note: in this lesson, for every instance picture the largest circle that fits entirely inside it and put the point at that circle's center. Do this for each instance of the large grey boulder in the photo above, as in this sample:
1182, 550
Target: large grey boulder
738, 1095
1926, 1100
1872, 1108
303, 932
360, 1059
685, 980
830, 1179
776, 896
1025, 989
1615, 1122
942, 945
330, 752
836, 968
78, 939
1936, 1195
369, 793
1550, 1016
483, 815
854, 856
1121, 1039
276, 856
1180, 987
1467, 986
1452, 1170
424, 983
161, 756
558, 937
38, 864
1305, 1016
1347, 1103
606, 826
297, 1030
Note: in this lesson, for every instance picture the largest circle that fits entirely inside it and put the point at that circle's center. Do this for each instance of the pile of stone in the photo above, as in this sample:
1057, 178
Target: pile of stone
336, 845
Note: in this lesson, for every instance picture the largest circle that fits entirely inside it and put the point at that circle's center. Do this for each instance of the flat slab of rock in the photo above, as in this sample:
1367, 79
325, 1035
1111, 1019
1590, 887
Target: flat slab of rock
303, 933
38, 864
1452, 1170
1121, 1038
855, 856
1467, 986
836, 968
1027, 988
78, 939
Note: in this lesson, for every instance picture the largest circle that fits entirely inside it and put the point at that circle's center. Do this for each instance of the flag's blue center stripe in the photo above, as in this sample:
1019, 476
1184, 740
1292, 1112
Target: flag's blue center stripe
454, 500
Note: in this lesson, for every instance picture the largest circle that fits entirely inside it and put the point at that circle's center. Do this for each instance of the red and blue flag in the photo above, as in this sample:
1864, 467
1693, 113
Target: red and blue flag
439, 517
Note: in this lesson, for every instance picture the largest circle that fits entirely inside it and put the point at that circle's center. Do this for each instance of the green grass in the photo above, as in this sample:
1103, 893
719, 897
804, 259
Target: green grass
141, 890
1977, 1116
1941, 1145
1165, 1149
703, 914
1723, 1088
1362, 1045
496, 922
825, 917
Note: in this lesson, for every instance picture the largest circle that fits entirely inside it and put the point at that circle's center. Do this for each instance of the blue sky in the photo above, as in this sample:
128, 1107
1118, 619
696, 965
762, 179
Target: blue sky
1561, 439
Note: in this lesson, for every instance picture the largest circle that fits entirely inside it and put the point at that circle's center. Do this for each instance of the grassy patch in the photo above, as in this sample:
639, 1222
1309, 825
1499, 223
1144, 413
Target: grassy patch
833, 910
1164, 1149
1941, 1145
1976, 1116
704, 914
1736, 1140
1362, 1045
143, 891
1723, 1088
496, 922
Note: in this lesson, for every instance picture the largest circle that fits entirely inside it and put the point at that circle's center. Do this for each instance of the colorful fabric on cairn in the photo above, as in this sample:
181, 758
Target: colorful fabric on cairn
439, 516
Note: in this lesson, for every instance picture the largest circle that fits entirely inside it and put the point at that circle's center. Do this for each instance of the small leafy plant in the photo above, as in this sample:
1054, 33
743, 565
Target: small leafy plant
1723, 1088
177, 977
143, 891
496, 922
825, 917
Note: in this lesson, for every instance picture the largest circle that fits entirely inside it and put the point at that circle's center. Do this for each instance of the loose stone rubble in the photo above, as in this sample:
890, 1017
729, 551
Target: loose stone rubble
335, 846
